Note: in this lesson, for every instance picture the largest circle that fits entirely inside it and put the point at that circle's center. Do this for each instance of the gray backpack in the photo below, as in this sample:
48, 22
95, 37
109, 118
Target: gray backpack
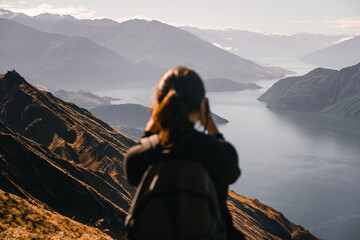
175, 199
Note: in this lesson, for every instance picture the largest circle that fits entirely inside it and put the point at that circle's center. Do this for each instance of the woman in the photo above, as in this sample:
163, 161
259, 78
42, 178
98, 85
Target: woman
180, 103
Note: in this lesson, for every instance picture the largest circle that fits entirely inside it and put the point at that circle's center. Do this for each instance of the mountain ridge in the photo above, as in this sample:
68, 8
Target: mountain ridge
161, 44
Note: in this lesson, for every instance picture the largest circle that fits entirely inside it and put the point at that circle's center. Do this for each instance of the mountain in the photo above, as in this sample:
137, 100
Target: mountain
160, 44
61, 159
55, 60
326, 90
253, 45
62, 155
83, 98
227, 85
341, 55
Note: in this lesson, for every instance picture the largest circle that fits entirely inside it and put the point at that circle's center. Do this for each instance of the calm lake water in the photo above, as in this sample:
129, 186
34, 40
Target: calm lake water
305, 165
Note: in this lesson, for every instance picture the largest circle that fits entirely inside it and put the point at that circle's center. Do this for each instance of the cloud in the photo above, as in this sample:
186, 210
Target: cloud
135, 17
344, 23
352, 23
225, 48
305, 21
80, 12
343, 39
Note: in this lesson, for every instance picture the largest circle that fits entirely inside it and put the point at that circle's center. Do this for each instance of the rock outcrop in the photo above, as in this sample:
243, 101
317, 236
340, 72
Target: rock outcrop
326, 90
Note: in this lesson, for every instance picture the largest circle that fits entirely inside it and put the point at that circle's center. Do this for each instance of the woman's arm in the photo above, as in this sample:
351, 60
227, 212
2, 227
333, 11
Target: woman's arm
135, 165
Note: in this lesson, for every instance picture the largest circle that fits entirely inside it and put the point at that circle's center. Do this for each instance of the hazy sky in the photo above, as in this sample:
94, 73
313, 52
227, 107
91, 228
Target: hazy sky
268, 16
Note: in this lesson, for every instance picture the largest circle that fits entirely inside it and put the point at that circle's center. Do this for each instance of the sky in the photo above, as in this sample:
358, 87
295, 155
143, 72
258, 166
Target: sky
265, 16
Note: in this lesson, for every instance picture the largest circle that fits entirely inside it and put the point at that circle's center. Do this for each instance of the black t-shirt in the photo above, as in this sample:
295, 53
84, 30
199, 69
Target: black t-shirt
217, 156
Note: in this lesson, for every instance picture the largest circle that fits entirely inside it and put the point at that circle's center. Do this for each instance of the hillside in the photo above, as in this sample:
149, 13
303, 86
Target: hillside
324, 90
23, 220
62, 157
153, 42
341, 55
258, 221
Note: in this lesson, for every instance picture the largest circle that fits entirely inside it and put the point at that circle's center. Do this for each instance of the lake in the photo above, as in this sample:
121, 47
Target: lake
305, 165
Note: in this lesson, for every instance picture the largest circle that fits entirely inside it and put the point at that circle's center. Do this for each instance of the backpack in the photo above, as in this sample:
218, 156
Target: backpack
176, 199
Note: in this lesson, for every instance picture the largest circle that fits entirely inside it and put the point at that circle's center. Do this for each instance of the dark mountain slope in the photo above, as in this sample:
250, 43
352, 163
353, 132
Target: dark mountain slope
46, 119
332, 91
31, 171
71, 132
259, 221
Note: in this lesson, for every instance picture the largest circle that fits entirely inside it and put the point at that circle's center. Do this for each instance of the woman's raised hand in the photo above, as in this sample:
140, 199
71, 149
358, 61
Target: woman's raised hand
206, 117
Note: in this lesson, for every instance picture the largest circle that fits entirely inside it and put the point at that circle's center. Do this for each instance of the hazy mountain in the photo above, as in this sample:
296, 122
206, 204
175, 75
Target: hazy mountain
168, 46
254, 45
227, 85
343, 54
159, 44
83, 98
60, 156
327, 90
132, 115
55, 60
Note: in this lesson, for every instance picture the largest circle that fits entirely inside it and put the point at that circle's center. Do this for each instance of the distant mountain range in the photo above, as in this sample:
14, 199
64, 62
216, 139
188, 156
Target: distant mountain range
341, 55
57, 155
325, 90
146, 48
254, 45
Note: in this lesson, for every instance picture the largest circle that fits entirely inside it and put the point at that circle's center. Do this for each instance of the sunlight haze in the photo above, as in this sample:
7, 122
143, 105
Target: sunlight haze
271, 17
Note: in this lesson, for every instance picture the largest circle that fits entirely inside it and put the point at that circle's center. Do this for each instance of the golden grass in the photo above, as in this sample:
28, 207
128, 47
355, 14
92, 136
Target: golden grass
21, 220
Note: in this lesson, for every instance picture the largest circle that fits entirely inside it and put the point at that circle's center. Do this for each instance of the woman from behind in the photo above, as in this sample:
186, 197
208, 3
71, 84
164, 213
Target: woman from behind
170, 134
